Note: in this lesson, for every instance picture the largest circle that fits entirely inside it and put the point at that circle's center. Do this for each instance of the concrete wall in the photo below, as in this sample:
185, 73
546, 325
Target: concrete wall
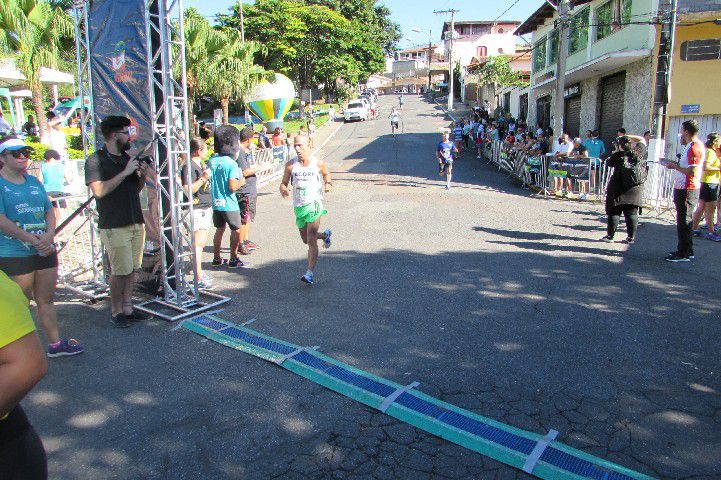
637, 98
695, 82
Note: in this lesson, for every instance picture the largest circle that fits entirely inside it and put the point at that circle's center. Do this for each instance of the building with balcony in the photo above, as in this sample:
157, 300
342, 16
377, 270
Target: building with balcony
479, 39
609, 69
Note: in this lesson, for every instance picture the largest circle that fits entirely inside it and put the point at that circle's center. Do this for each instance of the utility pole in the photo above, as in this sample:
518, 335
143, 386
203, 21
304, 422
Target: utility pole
430, 55
663, 78
450, 54
559, 108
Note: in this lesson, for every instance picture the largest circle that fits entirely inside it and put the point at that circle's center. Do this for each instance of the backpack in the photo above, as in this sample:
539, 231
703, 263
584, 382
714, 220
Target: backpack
633, 172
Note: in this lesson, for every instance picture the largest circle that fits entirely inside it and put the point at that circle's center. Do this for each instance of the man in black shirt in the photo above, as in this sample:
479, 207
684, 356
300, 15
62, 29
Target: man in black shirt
116, 180
248, 193
30, 127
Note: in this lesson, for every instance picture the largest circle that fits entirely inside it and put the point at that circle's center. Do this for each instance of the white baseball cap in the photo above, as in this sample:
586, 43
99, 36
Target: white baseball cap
13, 144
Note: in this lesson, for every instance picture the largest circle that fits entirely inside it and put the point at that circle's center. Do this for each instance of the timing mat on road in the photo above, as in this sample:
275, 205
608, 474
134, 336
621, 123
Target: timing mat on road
539, 455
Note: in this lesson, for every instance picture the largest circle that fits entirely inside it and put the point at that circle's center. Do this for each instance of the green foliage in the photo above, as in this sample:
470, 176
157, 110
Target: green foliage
319, 41
497, 71
40, 148
36, 33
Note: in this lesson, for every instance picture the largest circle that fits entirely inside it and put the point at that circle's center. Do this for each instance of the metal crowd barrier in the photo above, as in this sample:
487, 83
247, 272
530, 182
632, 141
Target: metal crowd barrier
275, 158
587, 177
658, 189
80, 254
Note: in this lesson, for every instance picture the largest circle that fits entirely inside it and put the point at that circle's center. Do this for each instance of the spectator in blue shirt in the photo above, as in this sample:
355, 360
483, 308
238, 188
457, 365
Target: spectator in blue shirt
595, 146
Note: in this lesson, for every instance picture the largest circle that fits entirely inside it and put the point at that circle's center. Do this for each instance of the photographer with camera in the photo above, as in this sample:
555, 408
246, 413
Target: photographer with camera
625, 187
116, 180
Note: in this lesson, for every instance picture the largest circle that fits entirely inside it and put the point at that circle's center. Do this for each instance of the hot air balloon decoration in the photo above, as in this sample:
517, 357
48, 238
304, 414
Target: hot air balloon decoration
271, 101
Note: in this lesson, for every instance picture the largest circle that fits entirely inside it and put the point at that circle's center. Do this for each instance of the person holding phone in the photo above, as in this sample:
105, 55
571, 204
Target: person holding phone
116, 180
687, 181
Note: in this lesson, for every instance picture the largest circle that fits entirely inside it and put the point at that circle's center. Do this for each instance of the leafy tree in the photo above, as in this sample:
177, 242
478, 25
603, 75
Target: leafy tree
498, 72
319, 41
231, 72
202, 43
35, 33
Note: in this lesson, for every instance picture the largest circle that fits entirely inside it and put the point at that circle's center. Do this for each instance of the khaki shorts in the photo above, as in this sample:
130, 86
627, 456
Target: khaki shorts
125, 247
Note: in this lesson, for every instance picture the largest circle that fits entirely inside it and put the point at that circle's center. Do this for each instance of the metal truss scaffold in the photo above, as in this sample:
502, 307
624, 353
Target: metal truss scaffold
90, 283
169, 119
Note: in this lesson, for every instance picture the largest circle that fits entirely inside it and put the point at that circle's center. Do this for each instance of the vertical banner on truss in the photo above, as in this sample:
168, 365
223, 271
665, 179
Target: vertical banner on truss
117, 34
119, 64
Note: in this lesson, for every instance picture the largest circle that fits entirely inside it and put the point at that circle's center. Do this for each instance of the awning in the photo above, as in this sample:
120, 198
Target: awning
598, 66
11, 76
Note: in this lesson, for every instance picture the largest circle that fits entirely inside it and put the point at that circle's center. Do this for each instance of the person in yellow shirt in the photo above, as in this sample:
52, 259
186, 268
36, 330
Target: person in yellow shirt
709, 193
22, 365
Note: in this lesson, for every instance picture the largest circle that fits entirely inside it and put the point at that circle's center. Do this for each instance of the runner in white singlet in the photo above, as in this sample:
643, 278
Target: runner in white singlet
310, 178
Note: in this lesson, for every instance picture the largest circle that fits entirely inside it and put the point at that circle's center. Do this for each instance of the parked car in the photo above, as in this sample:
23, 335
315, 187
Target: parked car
356, 110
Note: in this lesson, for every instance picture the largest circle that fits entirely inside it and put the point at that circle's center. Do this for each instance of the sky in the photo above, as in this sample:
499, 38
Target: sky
418, 14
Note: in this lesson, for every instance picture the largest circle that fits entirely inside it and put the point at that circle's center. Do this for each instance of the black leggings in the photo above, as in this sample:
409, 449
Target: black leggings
22, 457
630, 213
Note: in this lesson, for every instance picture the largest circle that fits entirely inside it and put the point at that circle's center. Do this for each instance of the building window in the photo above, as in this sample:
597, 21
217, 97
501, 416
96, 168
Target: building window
500, 30
539, 55
552, 47
695, 50
612, 16
578, 37
482, 52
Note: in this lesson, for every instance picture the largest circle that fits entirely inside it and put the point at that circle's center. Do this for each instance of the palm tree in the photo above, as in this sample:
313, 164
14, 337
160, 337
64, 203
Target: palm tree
32, 31
231, 72
202, 42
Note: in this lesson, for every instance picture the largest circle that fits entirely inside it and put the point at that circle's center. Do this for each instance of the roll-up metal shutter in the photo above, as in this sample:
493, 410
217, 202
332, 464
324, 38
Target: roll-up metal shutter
572, 116
612, 95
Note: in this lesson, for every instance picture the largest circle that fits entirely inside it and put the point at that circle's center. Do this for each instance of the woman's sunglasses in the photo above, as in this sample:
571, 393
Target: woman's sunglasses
23, 152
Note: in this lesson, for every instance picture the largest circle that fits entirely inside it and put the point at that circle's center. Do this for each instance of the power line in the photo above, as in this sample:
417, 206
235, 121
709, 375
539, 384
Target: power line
506, 10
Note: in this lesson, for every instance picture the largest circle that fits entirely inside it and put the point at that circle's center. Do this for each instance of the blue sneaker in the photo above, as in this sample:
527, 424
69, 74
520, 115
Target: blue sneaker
714, 237
65, 348
328, 233
307, 278
237, 263
698, 233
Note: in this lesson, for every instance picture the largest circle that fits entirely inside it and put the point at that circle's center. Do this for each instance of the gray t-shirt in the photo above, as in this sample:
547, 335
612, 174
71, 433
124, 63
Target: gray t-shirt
251, 183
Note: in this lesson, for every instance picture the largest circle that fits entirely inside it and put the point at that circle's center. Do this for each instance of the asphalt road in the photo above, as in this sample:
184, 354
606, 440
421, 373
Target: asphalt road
495, 301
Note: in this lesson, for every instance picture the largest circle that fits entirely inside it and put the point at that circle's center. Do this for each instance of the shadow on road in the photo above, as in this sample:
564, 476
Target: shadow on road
529, 341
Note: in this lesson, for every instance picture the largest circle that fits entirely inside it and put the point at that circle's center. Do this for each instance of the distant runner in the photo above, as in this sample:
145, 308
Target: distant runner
310, 178
401, 100
395, 117
444, 154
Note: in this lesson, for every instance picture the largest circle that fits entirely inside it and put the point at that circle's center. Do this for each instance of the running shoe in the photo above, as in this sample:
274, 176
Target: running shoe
692, 256
629, 241
698, 233
120, 321
583, 196
219, 262
478, 156
65, 348
326, 241
251, 245
307, 278
677, 258
244, 250
607, 239
703, 226
236, 263
714, 237
205, 282
441, 168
